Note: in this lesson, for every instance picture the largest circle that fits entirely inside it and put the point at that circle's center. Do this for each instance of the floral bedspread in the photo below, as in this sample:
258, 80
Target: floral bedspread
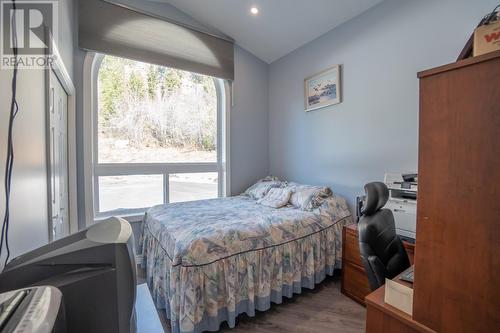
208, 261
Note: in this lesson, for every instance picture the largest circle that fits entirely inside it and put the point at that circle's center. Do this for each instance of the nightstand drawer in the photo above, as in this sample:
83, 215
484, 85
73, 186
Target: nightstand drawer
351, 252
355, 283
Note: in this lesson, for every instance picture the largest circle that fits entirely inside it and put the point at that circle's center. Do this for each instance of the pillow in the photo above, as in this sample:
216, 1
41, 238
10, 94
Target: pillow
260, 189
308, 197
276, 197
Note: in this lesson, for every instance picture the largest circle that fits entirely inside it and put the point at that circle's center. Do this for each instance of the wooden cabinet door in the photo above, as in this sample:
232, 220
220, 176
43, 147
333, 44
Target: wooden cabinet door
457, 257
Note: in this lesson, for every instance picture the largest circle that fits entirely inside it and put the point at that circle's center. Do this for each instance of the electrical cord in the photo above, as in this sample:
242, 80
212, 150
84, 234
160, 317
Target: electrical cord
14, 109
491, 16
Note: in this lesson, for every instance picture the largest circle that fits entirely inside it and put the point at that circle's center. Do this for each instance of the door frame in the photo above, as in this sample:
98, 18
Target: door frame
59, 69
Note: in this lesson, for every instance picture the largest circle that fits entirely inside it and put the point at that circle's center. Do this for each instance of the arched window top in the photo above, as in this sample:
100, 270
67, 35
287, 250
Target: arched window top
153, 135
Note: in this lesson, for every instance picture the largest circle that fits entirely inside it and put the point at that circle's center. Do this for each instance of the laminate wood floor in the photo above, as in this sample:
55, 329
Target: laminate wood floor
322, 310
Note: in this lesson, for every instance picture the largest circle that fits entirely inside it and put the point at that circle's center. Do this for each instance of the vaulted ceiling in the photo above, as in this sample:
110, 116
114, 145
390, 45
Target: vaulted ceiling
280, 27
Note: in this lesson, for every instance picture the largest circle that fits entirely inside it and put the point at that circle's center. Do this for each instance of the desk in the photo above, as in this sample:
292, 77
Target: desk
384, 318
456, 286
354, 282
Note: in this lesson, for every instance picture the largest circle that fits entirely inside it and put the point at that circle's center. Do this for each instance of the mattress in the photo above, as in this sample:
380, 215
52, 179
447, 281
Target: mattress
208, 261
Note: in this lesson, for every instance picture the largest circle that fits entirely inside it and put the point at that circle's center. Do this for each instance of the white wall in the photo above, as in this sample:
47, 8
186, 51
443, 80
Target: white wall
29, 214
67, 33
375, 128
28, 208
249, 121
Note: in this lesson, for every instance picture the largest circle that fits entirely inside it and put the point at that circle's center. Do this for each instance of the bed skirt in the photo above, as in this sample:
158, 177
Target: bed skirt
200, 298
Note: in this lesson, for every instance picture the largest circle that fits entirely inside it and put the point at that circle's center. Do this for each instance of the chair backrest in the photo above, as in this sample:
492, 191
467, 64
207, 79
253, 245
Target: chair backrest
382, 252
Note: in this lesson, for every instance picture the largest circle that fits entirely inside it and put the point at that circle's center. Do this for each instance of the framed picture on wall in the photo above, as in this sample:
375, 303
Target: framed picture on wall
322, 89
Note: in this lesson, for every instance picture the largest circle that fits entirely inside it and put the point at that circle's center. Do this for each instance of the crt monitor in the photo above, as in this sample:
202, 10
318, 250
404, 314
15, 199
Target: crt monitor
95, 271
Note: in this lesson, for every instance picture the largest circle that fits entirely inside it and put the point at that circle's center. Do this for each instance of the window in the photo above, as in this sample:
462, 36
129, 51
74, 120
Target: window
158, 136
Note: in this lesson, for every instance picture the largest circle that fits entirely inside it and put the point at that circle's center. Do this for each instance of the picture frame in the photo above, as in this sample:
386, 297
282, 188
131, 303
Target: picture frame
323, 89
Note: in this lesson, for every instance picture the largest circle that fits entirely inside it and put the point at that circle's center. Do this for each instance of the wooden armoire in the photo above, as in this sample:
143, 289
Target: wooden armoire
457, 252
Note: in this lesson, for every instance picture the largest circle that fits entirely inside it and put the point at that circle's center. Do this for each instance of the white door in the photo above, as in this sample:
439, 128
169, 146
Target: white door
58, 159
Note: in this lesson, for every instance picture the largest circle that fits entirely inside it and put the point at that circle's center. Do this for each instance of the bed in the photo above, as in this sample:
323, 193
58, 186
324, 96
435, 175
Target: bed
208, 261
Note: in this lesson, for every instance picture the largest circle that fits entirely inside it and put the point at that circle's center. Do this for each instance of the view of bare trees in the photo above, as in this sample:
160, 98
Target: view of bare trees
155, 113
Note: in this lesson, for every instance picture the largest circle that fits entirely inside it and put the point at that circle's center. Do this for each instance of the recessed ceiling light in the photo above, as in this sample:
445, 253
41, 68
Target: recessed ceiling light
254, 10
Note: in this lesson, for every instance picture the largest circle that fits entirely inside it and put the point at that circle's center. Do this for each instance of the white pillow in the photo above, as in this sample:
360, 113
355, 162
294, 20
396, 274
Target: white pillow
260, 189
276, 197
308, 197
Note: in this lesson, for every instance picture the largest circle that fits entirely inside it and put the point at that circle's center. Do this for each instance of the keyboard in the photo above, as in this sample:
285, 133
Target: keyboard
407, 276
9, 306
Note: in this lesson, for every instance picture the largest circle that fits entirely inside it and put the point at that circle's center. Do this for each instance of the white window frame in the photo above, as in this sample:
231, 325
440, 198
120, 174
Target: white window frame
93, 170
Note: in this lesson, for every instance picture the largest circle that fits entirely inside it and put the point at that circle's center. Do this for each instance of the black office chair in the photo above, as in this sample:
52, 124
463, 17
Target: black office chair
382, 252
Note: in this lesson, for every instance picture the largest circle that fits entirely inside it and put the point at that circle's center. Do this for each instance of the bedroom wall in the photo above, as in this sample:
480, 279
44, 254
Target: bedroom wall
375, 128
29, 214
248, 120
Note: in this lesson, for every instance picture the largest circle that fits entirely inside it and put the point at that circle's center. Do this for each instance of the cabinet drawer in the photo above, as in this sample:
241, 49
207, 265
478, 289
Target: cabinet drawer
351, 252
355, 281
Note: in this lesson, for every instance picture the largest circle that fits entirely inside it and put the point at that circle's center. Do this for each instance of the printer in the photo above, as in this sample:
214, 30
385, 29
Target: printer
403, 202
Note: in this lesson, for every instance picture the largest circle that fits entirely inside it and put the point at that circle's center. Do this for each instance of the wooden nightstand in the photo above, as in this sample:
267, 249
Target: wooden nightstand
354, 282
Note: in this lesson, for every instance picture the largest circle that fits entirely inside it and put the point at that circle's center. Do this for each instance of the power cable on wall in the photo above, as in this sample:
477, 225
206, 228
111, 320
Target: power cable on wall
9, 163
